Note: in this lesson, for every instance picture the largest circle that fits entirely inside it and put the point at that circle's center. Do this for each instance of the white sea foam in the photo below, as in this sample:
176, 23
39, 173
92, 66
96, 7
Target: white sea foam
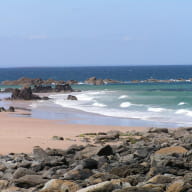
33, 105
155, 109
123, 97
184, 112
125, 104
96, 104
182, 103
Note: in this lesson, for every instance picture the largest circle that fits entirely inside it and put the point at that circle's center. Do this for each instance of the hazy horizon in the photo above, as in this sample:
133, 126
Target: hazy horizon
95, 33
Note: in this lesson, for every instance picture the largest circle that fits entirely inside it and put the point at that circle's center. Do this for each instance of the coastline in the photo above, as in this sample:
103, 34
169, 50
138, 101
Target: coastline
21, 134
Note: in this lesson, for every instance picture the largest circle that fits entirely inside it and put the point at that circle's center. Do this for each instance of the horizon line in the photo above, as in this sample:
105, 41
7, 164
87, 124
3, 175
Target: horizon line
139, 65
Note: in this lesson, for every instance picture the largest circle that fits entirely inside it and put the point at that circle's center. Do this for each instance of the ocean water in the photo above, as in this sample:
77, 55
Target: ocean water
151, 104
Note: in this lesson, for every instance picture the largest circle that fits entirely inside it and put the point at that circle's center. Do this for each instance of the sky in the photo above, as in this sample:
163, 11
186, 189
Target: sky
95, 32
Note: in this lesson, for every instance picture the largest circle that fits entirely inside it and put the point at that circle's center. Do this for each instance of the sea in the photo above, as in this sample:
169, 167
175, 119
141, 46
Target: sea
149, 104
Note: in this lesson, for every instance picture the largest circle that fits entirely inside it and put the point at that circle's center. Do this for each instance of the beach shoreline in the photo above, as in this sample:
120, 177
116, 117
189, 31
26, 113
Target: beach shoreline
21, 134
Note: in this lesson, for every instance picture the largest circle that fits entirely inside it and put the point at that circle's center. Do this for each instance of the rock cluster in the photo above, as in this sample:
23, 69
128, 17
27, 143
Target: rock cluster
48, 88
159, 160
24, 94
95, 81
24, 81
10, 109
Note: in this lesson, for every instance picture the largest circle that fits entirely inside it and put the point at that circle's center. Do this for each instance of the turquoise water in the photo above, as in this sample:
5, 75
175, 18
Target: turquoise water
159, 102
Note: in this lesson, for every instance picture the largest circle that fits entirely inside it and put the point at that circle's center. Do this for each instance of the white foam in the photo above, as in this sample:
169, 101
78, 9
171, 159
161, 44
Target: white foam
182, 103
123, 97
34, 105
96, 104
155, 109
125, 104
184, 111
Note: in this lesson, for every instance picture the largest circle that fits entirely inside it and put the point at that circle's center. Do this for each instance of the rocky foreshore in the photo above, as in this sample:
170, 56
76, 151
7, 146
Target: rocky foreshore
159, 160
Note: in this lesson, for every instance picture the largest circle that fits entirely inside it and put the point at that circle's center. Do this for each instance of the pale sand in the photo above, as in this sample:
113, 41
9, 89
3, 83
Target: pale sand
21, 134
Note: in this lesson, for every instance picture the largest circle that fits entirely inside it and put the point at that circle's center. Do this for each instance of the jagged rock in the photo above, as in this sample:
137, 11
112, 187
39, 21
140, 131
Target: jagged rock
56, 185
39, 154
24, 94
91, 80
94, 150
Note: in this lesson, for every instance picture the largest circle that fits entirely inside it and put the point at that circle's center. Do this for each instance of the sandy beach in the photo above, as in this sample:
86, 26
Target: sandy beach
21, 134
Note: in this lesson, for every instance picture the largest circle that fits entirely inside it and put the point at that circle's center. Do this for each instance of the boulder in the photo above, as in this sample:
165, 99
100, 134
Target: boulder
3, 184
78, 174
158, 130
28, 181
20, 172
39, 154
90, 151
105, 186
176, 186
99, 82
11, 109
89, 164
91, 80
57, 185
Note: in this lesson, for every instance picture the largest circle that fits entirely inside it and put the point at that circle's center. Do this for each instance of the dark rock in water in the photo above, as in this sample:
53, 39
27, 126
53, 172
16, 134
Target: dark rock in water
24, 94
42, 89
65, 87
45, 98
99, 82
48, 88
71, 97
28, 181
72, 82
11, 109
91, 80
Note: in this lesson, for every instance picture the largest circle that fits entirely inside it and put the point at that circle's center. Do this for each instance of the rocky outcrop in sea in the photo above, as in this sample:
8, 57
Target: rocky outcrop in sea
159, 160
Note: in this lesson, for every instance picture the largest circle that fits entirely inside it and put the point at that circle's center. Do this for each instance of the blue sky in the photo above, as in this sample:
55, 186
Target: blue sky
95, 32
